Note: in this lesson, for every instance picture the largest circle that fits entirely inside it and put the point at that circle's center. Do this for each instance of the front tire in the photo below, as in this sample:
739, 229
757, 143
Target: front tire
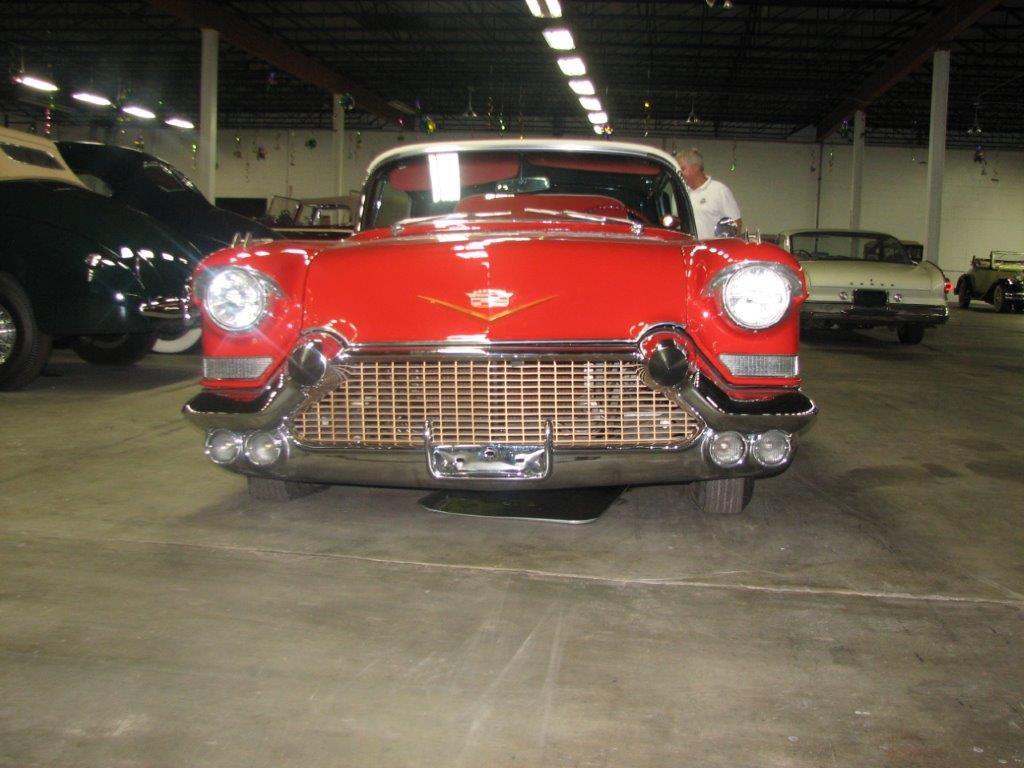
964, 295
724, 496
999, 299
115, 349
24, 349
271, 489
910, 333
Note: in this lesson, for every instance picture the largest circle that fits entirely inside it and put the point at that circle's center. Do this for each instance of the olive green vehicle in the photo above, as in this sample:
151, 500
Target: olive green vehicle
997, 279
77, 268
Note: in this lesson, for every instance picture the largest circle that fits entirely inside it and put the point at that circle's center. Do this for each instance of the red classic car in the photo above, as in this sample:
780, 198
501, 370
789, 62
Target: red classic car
509, 315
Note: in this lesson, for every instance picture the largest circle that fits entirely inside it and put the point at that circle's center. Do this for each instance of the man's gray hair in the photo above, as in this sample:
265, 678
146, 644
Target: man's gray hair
691, 156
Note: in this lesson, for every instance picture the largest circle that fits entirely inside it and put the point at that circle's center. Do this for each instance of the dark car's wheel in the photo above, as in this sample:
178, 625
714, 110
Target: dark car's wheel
177, 340
23, 347
964, 295
117, 349
910, 333
724, 497
270, 489
999, 299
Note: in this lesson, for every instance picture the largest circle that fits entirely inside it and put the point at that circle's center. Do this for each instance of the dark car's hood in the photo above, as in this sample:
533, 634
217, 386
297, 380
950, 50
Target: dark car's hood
193, 218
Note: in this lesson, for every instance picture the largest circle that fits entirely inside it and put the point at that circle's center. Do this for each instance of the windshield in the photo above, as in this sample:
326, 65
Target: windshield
527, 184
825, 246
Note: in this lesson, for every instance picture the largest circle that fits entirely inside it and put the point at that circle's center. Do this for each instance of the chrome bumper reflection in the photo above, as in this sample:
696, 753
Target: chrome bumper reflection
891, 314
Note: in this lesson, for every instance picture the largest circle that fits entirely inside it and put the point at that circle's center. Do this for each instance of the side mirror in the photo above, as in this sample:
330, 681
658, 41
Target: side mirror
668, 221
727, 227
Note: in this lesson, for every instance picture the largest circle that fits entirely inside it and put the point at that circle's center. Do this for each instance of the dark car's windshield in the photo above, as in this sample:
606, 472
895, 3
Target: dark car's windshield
824, 246
522, 182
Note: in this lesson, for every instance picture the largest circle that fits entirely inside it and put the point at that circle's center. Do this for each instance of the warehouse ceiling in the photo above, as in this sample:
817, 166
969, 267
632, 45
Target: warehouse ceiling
756, 70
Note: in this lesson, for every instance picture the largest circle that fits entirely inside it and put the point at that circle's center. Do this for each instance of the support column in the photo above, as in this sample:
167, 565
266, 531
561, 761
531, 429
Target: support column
857, 173
936, 154
206, 168
338, 143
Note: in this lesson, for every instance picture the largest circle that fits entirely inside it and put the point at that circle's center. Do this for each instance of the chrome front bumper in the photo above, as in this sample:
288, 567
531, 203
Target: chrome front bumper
846, 314
414, 468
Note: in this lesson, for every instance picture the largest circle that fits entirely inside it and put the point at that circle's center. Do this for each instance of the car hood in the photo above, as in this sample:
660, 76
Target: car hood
485, 287
208, 227
866, 274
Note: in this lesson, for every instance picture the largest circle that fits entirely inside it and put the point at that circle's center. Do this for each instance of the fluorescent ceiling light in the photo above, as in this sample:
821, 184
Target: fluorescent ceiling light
36, 82
142, 112
559, 38
545, 9
590, 103
598, 118
572, 66
91, 98
582, 87
445, 181
179, 122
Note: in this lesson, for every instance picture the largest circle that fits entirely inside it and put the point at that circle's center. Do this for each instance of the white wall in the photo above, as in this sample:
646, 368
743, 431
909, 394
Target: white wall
773, 181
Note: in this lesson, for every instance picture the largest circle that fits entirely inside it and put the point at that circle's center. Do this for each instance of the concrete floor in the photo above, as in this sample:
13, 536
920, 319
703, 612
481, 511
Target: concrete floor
866, 611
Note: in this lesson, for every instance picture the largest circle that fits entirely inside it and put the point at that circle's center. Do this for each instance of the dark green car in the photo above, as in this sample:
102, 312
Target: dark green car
77, 267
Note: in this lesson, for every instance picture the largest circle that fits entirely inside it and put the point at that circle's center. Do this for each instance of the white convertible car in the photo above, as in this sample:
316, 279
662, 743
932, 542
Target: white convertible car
865, 279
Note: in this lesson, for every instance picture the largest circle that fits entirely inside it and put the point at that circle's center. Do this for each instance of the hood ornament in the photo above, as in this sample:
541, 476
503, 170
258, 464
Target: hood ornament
487, 298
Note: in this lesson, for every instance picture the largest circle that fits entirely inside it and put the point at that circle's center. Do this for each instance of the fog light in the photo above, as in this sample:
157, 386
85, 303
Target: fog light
771, 448
223, 446
264, 448
727, 448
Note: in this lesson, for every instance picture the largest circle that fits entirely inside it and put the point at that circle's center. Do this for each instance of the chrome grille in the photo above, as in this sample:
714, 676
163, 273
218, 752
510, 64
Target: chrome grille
590, 403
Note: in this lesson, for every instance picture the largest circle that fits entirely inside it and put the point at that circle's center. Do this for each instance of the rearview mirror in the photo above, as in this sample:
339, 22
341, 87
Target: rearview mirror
524, 185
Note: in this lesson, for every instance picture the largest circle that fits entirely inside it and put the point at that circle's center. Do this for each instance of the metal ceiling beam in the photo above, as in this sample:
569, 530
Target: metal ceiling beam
238, 32
957, 17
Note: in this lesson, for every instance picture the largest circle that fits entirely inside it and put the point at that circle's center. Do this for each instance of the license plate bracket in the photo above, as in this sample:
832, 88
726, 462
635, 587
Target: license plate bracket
493, 461
863, 297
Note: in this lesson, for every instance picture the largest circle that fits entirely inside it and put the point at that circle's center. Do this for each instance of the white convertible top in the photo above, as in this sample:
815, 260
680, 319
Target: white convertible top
526, 145
27, 156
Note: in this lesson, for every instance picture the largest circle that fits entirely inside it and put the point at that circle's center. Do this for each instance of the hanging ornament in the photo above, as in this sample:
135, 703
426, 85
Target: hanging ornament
470, 113
975, 129
194, 151
261, 152
490, 112
238, 147
139, 142
732, 167
979, 154
845, 129
647, 117
831, 158
359, 140
47, 121
427, 124
310, 143
347, 102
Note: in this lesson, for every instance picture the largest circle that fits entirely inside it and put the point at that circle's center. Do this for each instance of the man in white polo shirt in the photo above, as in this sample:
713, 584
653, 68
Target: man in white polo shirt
711, 200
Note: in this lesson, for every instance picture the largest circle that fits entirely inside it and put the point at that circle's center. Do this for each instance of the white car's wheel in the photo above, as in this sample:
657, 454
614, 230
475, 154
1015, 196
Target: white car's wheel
172, 345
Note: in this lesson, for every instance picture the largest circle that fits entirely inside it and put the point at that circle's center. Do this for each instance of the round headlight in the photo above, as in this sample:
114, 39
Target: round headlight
235, 299
756, 296
771, 448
